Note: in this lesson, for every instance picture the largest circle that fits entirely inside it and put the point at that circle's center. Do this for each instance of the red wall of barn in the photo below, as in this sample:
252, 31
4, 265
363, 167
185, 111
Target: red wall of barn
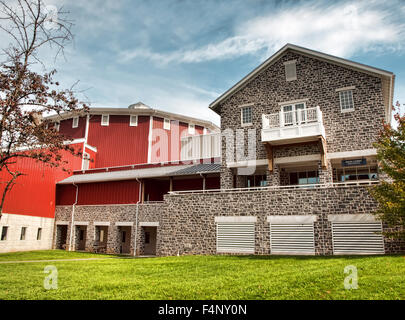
73, 133
111, 192
118, 143
34, 193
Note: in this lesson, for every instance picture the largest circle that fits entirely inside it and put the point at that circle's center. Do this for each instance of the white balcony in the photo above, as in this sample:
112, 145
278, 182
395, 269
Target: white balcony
300, 125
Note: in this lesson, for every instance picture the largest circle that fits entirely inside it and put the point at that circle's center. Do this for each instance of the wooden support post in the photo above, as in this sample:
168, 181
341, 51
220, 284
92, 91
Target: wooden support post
323, 152
143, 192
270, 158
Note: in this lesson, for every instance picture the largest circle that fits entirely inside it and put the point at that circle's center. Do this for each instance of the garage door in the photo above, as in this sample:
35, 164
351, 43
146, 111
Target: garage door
235, 237
292, 238
357, 238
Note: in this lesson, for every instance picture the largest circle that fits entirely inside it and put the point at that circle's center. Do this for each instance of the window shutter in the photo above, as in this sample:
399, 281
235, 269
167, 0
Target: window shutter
357, 238
235, 237
290, 70
292, 238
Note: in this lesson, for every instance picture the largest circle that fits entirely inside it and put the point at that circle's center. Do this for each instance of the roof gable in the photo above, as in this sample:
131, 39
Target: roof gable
387, 76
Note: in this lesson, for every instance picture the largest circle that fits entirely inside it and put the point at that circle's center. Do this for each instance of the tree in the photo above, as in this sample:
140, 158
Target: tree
390, 194
26, 96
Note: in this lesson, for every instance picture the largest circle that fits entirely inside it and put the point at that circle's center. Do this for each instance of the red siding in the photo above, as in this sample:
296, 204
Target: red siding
118, 143
188, 184
156, 189
111, 192
213, 183
34, 193
73, 133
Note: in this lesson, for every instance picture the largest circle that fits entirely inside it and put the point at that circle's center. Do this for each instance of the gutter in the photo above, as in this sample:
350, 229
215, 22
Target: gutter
73, 216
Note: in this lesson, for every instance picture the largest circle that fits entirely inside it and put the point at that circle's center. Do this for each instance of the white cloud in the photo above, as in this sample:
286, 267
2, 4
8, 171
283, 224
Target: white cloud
341, 30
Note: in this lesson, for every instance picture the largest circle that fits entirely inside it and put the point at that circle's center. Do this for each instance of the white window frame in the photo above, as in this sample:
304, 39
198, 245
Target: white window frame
341, 93
246, 124
191, 128
166, 124
75, 122
131, 122
205, 131
108, 120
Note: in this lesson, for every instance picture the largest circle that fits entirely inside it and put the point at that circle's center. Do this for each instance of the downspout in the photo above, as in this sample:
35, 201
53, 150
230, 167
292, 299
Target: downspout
73, 216
136, 215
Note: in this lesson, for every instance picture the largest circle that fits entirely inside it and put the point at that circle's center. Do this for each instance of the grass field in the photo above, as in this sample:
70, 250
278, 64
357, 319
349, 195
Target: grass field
200, 277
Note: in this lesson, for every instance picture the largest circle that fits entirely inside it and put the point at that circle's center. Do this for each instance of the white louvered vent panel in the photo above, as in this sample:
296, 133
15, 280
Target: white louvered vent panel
292, 238
357, 238
235, 237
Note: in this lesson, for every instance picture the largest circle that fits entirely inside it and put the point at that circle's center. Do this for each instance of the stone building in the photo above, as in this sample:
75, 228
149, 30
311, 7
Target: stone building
297, 160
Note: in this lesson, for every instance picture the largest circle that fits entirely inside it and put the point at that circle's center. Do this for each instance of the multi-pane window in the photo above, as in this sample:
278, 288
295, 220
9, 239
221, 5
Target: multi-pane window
4, 233
57, 126
133, 121
39, 233
75, 122
166, 124
246, 115
23, 232
346, 100
256, 181
304, 177
105, 120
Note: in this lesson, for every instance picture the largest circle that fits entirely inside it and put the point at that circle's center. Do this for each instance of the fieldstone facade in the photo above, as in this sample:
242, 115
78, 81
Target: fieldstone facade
187, 221
316, 84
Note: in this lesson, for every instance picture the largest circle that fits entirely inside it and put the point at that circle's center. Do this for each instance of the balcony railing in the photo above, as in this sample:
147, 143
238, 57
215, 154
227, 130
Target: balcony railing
300, 123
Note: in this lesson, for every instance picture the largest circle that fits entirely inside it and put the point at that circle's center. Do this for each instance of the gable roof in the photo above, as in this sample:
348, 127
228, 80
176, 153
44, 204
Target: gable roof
387, 76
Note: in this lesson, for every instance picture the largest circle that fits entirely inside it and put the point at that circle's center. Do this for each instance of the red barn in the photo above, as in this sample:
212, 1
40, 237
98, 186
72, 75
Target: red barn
130, 155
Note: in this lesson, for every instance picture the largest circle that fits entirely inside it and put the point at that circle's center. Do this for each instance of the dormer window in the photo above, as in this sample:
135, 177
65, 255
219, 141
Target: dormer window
290, 70
191, 129
105, 119
166, 124
133, 121
75, 122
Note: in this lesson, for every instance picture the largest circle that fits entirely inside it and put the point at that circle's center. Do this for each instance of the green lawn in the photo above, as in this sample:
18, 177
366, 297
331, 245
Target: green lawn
201, 277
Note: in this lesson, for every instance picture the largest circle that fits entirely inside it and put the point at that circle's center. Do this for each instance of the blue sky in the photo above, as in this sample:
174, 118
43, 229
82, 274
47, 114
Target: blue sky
181, 55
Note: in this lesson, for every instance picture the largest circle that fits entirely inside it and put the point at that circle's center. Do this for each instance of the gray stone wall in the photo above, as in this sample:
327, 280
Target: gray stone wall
317, 82
187, 221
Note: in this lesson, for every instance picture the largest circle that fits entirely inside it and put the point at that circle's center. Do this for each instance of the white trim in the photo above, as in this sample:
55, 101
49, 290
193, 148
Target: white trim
296, 159
81, 223
352, 218
150, 137
131, 123
166, 124
286, 103
105, 124
247, 163
191, 128
345, 88
75, 141
62, 223
57, 126
149, 224
246, 105
87, 146
101, 223
350, 154
236, 219
73, 122
292, 219
124, 224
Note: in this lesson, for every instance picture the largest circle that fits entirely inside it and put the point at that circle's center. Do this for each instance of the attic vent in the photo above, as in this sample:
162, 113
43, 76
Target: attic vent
290, 70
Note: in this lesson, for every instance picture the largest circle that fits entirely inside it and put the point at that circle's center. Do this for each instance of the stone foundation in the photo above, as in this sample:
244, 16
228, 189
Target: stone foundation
186, 223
